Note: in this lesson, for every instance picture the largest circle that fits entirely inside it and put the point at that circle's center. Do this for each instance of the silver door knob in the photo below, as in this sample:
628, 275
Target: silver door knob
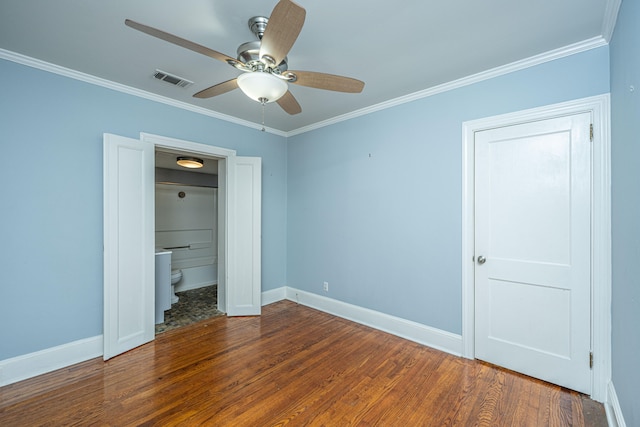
481, 260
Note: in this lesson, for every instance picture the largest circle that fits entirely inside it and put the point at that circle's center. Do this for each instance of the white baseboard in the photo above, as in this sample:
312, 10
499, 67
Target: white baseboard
30, 365
40, 362
413, 331
612, 408
274, 295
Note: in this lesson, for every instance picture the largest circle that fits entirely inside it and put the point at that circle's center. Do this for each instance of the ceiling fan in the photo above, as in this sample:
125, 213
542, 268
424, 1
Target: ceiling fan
264, 61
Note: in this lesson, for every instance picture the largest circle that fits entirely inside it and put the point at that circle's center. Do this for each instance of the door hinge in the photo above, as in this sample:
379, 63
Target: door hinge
591, 132
591, 359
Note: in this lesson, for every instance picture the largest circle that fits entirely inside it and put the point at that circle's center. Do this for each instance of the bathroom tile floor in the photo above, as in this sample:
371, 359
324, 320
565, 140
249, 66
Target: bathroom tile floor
193, 306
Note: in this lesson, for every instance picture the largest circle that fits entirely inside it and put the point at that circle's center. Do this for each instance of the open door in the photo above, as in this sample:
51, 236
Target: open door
244, 220
129, 226
129, 275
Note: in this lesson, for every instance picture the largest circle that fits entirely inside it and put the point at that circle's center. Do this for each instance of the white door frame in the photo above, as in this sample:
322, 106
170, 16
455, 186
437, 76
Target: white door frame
599, 107
225, 189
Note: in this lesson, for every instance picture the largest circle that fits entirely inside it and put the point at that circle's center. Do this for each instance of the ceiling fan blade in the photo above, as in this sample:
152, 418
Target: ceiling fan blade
179, 41
282, 30
218, 89
327, 81
289, 104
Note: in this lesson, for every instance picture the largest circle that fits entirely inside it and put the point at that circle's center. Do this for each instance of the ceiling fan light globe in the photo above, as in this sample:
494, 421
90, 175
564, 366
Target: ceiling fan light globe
261, 85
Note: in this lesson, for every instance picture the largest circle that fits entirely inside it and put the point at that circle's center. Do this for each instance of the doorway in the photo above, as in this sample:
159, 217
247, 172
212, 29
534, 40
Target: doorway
239, 223
129, 243
597, 108
186, 231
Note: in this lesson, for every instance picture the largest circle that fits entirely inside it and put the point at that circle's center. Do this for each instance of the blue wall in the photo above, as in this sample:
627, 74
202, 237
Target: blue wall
625, 180
51, 211
374, 203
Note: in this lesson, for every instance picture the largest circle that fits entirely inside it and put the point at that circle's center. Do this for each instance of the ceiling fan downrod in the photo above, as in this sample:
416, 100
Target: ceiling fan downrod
257, 25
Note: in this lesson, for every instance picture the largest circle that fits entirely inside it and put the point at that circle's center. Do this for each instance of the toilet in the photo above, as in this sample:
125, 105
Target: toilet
176, 276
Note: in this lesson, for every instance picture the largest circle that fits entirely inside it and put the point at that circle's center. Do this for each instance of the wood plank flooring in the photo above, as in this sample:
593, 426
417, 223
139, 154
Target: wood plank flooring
291, 366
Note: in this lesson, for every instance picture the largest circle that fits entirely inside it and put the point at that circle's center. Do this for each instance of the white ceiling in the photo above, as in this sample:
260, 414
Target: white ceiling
397, 48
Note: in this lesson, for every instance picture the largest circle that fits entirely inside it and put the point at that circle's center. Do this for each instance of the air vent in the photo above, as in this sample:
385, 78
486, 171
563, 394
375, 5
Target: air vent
172, 79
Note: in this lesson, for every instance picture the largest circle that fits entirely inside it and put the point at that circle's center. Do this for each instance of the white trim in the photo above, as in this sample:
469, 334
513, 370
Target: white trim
613, 409
468, 242
274, 295
600, 228
465, 81
562, 52
40, 362
610, 18
87, 78
181, 144
431, 337
226, 190
601, 246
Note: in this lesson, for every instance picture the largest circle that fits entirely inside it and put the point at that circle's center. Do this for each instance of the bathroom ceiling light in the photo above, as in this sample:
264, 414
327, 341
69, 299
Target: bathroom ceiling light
190, 162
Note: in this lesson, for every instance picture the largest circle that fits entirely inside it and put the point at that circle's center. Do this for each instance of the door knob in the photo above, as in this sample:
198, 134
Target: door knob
481, 260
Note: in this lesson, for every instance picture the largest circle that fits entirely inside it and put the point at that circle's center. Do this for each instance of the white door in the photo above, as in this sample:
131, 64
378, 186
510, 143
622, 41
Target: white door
244, 273
129, 275
532, 249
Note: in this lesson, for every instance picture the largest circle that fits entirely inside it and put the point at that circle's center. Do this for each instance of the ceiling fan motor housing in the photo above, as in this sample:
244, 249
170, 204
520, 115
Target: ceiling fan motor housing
249, 53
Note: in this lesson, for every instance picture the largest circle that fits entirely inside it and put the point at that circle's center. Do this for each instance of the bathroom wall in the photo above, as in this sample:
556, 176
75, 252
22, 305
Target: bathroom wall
186, 224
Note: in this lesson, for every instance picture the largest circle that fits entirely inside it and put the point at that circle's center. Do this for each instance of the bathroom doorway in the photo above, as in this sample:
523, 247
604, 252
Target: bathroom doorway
129, 240
186, 227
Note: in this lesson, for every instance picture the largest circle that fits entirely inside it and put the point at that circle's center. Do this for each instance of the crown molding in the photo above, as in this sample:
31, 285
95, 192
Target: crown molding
465, 81
610, 18
87, 78
595, 42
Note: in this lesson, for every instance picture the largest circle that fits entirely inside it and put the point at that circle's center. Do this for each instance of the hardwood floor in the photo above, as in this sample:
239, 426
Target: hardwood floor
291, 366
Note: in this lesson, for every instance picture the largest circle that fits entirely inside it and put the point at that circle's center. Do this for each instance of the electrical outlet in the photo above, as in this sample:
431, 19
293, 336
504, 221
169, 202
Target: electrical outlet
325, 286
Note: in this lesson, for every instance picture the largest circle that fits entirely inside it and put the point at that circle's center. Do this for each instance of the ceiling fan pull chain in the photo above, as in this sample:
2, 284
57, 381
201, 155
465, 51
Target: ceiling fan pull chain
263, 101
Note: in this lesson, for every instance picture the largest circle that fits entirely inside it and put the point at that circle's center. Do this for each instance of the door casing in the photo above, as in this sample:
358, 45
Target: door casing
599, 107
226, 211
